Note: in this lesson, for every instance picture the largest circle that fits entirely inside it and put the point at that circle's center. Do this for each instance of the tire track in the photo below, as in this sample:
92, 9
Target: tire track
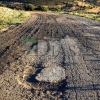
78, 37
14, 44
69, 56
12, 35
74, 58
79, 83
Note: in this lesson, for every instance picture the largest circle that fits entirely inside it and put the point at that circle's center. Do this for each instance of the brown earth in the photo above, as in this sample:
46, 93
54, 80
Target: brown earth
80, 40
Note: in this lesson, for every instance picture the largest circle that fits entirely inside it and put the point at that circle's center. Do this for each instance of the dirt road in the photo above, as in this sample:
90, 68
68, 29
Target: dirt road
78, 58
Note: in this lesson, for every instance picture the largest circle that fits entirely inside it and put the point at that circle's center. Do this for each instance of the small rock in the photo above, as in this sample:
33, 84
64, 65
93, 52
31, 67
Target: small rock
51, 74
48, 92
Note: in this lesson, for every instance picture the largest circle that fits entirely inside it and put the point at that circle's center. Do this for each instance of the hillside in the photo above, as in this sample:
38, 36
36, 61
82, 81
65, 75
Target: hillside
66, 5
83, 8
48, 2
10, 17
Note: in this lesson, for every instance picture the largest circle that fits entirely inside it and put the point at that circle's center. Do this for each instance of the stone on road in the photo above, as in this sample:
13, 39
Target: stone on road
51, 74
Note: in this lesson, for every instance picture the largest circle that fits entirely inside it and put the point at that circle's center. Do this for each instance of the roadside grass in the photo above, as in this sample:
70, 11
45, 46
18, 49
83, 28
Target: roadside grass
86, 15
9, 17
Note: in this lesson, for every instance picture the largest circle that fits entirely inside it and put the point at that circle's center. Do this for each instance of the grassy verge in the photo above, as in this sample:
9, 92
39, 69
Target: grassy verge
90, 16
9, 17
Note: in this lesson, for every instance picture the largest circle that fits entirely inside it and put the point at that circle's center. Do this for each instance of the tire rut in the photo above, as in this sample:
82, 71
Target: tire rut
73, 35
79, 45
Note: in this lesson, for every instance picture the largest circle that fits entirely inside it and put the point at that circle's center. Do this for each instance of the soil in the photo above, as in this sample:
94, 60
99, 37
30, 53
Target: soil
79, 55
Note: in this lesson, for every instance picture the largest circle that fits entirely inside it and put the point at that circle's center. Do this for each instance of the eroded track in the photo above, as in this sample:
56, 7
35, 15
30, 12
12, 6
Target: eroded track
80, 44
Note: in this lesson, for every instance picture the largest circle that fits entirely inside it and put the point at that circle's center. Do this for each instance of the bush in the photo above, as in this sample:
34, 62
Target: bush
55, 9
2, 5
42, 8
10, 17
45, 8
29, 7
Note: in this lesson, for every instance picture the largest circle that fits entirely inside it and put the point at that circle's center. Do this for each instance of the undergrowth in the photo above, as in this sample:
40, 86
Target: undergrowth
9, 17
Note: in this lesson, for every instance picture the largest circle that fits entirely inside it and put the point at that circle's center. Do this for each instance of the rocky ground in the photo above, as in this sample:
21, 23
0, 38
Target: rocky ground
63, 64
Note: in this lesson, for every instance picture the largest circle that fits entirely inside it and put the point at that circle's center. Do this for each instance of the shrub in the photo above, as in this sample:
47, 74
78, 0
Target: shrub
55, 9
10, 17
45, 8
29, 7
2, 5
42, 8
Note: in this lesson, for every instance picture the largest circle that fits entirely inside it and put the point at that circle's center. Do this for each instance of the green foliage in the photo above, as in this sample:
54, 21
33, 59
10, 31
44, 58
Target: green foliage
29, 7
57, 9
45, 8
10, 17
2, 5
42, 8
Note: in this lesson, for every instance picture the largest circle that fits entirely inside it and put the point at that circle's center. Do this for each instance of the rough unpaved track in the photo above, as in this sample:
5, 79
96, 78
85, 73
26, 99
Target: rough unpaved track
79, 43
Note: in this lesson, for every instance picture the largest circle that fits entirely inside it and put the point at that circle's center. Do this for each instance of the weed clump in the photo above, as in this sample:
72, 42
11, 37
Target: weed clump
29, 7
42, 8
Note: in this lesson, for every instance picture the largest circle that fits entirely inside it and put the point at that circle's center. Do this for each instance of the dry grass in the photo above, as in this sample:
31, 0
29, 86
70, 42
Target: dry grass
90, 16
80, 3
9, 17
93, 10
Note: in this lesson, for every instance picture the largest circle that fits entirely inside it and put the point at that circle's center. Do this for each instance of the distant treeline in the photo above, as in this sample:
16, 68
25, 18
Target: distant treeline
38, 1
31, 1
47, 2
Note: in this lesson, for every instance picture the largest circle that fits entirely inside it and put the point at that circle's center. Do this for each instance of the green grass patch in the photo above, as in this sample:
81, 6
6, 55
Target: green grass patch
9, 17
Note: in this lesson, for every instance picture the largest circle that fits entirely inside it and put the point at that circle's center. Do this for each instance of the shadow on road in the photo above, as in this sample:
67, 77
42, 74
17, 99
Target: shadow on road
88, 87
